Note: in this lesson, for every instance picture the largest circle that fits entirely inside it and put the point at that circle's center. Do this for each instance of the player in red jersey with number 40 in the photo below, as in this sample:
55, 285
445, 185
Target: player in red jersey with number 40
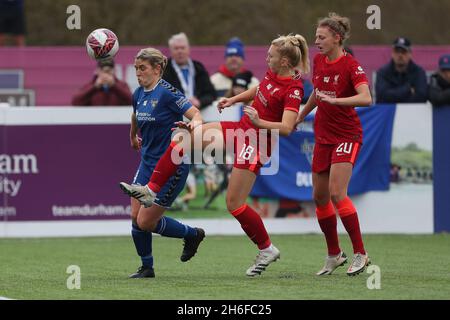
340, 84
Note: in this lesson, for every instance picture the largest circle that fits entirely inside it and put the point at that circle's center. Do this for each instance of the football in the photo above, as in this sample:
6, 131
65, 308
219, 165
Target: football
102, 44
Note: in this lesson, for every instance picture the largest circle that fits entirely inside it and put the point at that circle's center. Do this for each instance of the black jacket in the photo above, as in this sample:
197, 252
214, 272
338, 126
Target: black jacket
393, 87
439, 93
204, 90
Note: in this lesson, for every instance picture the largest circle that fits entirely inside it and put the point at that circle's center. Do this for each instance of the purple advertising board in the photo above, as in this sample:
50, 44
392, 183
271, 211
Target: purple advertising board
65, 172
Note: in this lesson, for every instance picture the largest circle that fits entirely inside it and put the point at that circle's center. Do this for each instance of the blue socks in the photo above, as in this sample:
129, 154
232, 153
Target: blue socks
169, 227
143, 243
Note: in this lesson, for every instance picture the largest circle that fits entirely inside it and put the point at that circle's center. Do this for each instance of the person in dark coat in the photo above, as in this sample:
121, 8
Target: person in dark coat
187, 75
401, 80
439, 93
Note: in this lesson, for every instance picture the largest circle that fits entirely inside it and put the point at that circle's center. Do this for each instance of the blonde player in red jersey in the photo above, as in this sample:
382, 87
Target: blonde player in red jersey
276, 102
340, 84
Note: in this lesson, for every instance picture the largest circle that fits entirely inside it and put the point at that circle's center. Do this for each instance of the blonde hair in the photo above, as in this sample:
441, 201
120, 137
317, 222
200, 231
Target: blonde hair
154, 57
337, 24
295, 48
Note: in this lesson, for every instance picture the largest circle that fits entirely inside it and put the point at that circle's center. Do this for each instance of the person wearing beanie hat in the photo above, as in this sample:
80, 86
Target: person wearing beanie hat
401, 80
235, 47
439, 91
234, 64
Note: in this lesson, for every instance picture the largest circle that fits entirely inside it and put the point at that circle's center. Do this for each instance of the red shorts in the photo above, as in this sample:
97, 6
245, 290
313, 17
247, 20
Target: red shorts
326, 154
251, 151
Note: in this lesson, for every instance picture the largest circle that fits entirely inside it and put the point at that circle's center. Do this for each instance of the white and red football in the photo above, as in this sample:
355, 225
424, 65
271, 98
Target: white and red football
102, 44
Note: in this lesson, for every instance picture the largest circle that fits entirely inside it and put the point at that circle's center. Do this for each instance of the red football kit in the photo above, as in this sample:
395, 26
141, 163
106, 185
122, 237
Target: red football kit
337, 129
273, 95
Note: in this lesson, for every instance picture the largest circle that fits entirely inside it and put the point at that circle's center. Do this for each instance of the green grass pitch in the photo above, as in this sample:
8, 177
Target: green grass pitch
412, 267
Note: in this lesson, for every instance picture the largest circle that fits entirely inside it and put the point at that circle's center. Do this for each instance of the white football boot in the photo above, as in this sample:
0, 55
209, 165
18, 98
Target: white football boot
262, 261
141, 193
332, 263
359, 263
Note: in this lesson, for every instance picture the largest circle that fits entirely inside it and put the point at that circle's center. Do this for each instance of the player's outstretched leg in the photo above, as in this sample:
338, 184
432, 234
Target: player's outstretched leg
142, 193
332, 263
191, 245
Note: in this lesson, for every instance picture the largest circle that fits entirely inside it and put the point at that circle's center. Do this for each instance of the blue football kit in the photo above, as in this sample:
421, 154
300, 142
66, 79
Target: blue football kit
156, 111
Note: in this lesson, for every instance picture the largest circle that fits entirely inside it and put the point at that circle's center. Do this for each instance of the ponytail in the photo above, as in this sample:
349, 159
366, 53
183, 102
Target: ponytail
295, 49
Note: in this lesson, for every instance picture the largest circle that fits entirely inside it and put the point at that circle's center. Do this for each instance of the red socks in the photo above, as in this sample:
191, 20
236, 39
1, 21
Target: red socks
253, 225
326, 216
349, 219
165, 168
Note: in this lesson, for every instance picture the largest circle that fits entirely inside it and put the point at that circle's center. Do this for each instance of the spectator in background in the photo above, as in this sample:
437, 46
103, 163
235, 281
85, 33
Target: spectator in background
234, 64
239, 83
190, 192
395, 173
401, 80
104, 89
226, 172
440, 83
211, 176
261, 206
12, 21
289, 208
187, 75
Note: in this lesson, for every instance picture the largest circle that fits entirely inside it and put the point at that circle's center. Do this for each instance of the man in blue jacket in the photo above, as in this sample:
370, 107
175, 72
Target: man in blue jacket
401, 80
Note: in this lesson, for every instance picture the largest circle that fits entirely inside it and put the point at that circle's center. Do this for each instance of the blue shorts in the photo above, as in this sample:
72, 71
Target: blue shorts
170, 191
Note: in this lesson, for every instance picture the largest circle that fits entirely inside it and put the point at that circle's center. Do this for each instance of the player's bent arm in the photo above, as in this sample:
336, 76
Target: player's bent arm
363, 98
286, 126
309, 106
244, 96
134, 126
134, 139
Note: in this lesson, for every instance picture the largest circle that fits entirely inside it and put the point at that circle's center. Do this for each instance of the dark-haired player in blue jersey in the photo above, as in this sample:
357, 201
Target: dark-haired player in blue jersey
157, 105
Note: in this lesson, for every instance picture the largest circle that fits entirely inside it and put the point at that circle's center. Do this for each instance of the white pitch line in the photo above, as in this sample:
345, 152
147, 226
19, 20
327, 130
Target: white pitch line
5, 298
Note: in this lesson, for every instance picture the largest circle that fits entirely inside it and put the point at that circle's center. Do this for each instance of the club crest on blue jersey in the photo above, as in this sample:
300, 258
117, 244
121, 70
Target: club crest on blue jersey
156, 110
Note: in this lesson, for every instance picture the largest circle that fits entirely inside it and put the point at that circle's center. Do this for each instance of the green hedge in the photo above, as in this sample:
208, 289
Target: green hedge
213, 22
